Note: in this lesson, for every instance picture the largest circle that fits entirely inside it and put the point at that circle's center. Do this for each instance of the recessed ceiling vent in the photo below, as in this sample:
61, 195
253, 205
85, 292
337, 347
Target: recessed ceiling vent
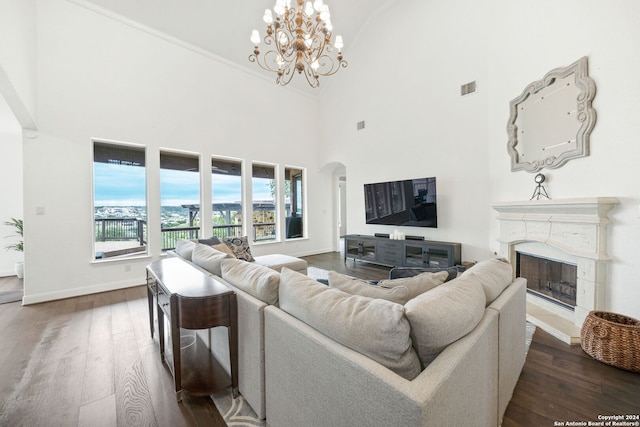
360, 125
468, 88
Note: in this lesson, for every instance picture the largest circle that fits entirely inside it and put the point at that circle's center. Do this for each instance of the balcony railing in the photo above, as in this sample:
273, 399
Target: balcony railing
222, 231
129, 229
171, 235
121, 229
264, 231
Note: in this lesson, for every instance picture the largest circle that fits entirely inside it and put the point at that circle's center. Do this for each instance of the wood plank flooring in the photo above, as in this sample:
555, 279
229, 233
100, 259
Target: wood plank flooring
89, 361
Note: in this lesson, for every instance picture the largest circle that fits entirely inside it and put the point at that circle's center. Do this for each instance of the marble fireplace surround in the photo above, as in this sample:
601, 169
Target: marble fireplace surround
567, 230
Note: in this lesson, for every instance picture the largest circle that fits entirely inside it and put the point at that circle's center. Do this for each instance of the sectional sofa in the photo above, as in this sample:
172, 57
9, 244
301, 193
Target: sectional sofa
312, 354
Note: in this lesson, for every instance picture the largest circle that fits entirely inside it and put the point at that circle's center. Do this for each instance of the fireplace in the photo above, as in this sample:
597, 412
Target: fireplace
572, 232
553, 280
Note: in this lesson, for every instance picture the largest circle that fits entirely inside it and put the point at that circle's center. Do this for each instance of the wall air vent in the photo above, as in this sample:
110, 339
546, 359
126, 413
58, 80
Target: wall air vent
360, 125
468, 88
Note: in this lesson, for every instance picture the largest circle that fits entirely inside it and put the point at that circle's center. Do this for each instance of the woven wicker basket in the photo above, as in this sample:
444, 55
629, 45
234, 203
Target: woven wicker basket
613, 339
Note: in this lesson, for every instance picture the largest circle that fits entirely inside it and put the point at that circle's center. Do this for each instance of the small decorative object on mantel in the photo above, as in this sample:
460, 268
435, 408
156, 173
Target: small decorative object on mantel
539, 191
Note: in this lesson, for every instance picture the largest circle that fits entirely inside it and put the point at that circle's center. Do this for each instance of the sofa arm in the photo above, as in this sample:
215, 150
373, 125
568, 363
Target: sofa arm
511, 308
311, 380
400, 272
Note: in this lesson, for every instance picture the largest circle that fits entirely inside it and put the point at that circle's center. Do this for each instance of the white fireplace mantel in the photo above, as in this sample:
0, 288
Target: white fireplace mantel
574, 228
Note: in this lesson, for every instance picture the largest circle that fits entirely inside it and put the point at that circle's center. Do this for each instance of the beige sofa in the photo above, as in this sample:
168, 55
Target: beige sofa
256, 286
294, 372
316, 378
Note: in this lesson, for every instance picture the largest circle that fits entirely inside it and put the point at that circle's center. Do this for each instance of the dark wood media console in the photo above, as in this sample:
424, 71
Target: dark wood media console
191, 300
401, 253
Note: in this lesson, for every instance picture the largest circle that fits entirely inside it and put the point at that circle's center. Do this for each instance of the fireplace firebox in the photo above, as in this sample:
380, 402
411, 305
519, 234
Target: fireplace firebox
553, 280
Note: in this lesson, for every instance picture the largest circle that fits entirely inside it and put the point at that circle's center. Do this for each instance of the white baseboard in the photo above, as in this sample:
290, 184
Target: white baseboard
69, 293
7, 273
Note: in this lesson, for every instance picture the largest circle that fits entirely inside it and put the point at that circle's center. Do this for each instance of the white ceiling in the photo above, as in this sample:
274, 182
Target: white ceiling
224, 27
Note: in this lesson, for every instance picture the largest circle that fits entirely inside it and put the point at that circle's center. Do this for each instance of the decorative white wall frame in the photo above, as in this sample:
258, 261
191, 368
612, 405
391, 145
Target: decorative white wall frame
551, 121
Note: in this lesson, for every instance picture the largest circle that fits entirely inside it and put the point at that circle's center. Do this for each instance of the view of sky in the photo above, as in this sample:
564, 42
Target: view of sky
121, 185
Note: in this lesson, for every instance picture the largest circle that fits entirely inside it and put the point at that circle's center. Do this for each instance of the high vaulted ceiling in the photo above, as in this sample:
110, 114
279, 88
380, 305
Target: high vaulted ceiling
224, 27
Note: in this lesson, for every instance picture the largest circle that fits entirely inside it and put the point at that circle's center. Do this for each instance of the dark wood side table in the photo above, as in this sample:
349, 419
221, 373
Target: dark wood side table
192, 300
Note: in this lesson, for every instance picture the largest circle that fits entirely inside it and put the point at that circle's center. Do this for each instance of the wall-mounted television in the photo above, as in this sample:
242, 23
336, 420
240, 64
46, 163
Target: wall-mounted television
407, 203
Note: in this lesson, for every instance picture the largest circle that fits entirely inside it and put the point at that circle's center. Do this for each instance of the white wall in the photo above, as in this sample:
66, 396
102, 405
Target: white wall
607, 34
10, 185
18, 58
98, 77
404, 77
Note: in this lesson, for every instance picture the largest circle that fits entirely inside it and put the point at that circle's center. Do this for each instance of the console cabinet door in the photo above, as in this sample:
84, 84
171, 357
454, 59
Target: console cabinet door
415, 256
360, 248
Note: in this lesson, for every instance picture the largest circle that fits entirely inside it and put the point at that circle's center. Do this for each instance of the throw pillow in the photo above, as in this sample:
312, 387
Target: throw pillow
354, 286
210, 241
206, 257
375, 328
444, 315
240, 247
417, 284
494, 275
256, 280
400, 272
222, 247
184, 248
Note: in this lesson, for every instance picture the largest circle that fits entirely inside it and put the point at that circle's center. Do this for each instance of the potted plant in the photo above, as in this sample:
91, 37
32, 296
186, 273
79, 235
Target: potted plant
18, 246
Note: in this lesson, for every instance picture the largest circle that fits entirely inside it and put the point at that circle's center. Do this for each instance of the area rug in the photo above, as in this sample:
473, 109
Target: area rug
531, 328
317, 273
236, 412
11, 296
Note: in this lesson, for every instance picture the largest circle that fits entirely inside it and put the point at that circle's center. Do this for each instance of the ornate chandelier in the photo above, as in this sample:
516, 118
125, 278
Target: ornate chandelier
300, 40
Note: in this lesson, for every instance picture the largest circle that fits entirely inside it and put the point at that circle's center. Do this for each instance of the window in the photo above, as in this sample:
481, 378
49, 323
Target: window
294, 202
179, 198
119, 200
226, 195
264, 199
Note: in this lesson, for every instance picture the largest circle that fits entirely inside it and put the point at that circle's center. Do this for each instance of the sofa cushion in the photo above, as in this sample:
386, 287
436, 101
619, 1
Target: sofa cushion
354, 286
374, 327
443, 315
494, 275
257, 280
240, 247
184, 248
208, 258
417, 284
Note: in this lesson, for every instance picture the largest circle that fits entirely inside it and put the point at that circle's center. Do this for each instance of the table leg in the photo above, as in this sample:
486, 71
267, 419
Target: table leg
151, 305
233, 341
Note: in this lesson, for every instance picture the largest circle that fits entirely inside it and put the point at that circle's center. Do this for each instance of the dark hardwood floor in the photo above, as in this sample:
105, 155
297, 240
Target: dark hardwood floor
89, 361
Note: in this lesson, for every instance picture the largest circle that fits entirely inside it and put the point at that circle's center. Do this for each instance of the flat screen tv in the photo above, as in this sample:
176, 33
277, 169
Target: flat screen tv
408, 203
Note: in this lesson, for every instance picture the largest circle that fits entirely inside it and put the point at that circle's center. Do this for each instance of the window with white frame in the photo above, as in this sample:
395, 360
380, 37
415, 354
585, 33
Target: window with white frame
119, 200
294, 202
226, 195
179, 197
264, 200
